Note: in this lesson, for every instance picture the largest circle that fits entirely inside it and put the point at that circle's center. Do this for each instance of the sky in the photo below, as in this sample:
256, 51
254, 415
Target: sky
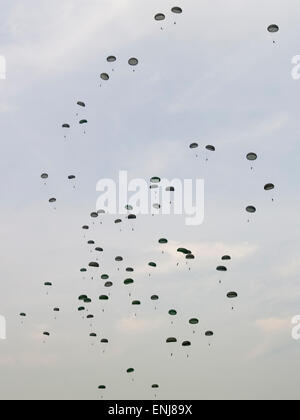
213, 78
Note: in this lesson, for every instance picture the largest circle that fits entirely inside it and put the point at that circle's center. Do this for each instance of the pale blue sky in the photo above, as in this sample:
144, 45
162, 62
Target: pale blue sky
215, 78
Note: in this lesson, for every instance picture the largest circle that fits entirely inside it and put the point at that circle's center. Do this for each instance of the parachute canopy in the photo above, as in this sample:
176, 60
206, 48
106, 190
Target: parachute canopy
176, 10
251, 209
133, 61
104, 76
252, 156
273, 28
159, 17
269, 187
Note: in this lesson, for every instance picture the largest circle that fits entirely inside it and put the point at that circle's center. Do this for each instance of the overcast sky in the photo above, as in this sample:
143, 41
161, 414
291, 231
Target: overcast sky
215, 78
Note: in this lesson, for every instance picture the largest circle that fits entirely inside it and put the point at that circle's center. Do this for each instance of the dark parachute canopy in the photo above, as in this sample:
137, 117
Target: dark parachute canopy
190, 257
163, 241
94, 265
210, 148
152, 264
66, 126
155, 180
159, 17
221, 268
45, 176
127, 282
177, 10
232, 295
171, 340
194, 146
273, 28
251, 209
111, 59
133, 61
183, 251
104, 76
252, 156
173, 312
194, 321
80, 103
269, 187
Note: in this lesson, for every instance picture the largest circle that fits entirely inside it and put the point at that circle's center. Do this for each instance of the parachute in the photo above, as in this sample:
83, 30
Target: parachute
172, 312
81, 122
127, 282
232, 295
111, 59
152, 264
159, 17
171, 340
221, 268
252, 156
94, 265
176, 10
273, 28
210, 148
183, 251
269, 187
133, 61
104, 76
251, 209
155, 180
82, 104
